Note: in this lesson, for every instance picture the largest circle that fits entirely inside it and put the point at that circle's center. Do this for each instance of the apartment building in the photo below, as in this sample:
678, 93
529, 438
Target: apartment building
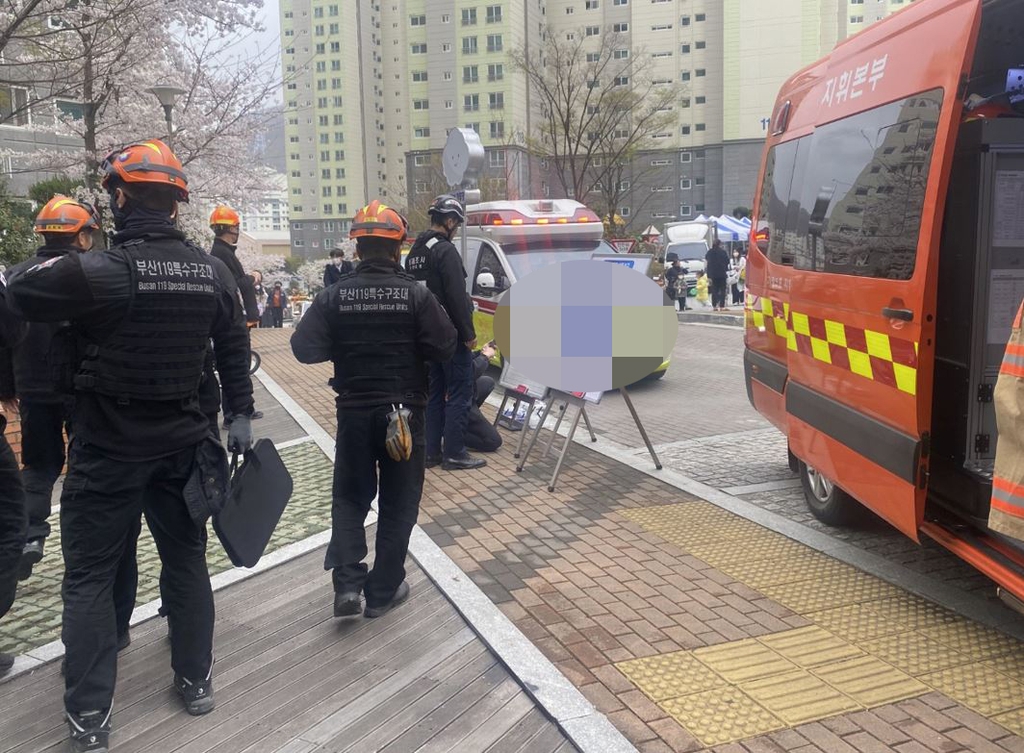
369, 101
269, 213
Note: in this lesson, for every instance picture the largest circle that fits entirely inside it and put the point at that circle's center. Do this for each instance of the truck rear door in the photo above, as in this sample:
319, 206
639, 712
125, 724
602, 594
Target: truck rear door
862, 315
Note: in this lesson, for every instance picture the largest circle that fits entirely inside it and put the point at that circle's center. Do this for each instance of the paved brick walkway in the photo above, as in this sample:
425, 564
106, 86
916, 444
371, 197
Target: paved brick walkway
692, 628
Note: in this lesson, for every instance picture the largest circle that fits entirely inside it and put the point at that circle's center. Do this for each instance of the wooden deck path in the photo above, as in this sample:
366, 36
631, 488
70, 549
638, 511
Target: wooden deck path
291, 679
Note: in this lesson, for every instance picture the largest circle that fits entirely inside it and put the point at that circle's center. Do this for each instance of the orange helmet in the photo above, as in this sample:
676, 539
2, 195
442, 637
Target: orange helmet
378, 220
64, 215
150, 162
224, 216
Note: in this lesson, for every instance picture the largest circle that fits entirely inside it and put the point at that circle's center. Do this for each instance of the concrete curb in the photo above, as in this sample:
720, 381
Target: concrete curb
700, 317
965, 604
587, 728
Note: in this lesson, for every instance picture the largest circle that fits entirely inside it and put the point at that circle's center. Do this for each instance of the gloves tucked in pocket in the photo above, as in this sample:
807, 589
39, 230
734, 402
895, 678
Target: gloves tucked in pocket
399, 435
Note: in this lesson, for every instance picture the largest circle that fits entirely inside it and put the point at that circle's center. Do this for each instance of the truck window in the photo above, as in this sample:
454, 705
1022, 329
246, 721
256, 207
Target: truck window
862, 193
775, 198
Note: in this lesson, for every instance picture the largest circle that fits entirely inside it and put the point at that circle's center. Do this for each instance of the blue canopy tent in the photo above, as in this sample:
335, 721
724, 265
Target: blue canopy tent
731, 230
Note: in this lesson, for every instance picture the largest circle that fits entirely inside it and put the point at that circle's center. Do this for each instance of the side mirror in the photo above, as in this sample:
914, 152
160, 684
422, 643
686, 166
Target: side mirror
485, 281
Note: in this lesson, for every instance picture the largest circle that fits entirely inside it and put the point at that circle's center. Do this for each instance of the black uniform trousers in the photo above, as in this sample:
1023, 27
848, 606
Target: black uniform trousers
101, 506
12, 522
363, 469
42, 458
451, 395
481, 435
718, 288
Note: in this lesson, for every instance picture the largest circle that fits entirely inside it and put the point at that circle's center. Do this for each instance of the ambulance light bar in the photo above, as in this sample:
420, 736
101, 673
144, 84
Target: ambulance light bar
543, 212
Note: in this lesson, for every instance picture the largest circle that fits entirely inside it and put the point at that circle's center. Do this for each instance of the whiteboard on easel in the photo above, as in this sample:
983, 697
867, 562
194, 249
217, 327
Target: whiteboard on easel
590, 397
516, 381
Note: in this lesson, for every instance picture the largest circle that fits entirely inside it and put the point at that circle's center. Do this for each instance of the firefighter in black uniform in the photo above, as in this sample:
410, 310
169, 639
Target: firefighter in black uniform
13, 520
145, 310
39, 362
66, 227
225, 224
379, 327
435, 260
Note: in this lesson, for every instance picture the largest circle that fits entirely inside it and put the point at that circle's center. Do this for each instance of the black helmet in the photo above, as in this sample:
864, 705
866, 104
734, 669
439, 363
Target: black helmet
446, 206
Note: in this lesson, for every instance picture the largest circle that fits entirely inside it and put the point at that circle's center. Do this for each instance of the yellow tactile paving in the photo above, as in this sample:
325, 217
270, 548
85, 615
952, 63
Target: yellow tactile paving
975, 640
912, 611
869, 681
856, 623
978, 687
871, 642
844, 587
798, 697
915, 653
670, 675
810, 646
1012, 720
722, 715
740, 661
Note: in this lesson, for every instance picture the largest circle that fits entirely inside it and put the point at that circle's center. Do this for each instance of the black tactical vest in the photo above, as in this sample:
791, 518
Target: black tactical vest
158, 351
373, 326
420, 262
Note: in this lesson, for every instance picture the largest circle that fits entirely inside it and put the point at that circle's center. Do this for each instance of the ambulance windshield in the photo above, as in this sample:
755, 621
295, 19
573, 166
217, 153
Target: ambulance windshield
524, 257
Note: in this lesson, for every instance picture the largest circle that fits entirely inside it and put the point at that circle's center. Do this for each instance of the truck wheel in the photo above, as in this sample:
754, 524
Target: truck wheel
828, 503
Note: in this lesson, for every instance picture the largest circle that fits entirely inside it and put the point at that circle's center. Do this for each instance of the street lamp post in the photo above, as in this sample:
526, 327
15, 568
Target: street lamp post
167, 95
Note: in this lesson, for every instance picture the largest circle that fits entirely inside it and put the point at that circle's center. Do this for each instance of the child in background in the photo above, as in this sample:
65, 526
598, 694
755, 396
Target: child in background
702, 289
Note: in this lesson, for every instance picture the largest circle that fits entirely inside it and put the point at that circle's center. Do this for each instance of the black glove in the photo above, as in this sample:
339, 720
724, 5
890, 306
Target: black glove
240, 435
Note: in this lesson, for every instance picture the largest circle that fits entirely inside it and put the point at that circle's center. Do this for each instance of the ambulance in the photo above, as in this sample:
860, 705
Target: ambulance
886, 267
506, 240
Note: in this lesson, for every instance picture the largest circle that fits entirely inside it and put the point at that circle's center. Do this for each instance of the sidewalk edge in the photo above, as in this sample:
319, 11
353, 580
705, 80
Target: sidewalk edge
587, 728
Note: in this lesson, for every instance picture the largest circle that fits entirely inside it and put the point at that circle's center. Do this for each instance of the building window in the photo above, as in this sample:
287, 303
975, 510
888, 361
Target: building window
699, 17
685, 184
470, 74
468, 16
625, 211
495, 72
421, 160
339, 155
421, 104
339, 173
471, 102
701, 72
685, 130
496, 158
620, 81
620, 54
685, 76
685, 210
446, 76
421, 186
701, 127
592, 4
339, 119
496, 101
446, 18
624, 185
620, 2
497, 129
661, 27
593, 57
421, 133
592, 31
493, 14
473, 127
419, 48
469, 45
570, 10
449, 105
621, 28
419, 76
494, 43
856, 19
318, 12
701, 45
335, 47
333, 10
418, 20
701, 100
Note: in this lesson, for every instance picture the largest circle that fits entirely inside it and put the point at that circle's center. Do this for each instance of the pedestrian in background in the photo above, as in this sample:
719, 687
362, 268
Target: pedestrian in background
380, 328
737, 277
434, 260
336, 267
675, 281
277, 300
717, 265
146, 311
